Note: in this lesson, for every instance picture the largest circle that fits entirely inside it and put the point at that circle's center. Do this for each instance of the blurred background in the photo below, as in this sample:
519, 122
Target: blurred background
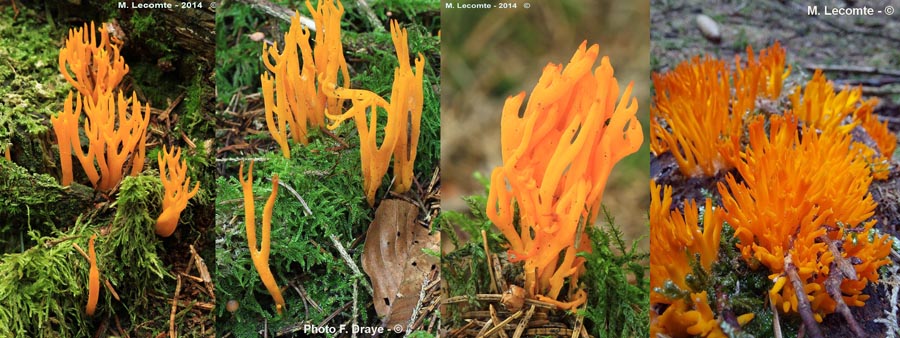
490, 54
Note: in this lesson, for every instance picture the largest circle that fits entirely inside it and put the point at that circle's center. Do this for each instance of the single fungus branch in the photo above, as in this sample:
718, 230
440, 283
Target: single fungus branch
65, 126
260, 257
93, 279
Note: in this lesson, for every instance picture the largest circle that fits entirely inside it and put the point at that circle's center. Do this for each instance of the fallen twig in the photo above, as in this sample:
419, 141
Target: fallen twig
496, 319
496, 298
853, 69
803, 306
355, 300
280, 12
501, 325
776, 321
335, 313
524, 323
412, 319
306, 209
370, 15
350, 262
204, 272
487, 255
833, 287
172, 333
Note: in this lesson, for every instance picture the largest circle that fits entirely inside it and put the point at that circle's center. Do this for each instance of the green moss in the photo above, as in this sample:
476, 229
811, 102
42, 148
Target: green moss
142, 24
32, 88
195, 120
238, 64
133, 242
330, 183
31, 202
43, 290
153, 35
617, 306
733, 277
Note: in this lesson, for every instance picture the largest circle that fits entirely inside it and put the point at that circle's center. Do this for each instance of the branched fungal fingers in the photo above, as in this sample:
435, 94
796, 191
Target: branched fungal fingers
176, 187
557, 154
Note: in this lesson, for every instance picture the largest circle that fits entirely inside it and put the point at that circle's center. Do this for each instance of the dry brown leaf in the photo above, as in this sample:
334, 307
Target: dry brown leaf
394, 261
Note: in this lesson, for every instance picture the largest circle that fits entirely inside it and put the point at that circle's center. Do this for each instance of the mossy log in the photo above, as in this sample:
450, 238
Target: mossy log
187, 25
34, 200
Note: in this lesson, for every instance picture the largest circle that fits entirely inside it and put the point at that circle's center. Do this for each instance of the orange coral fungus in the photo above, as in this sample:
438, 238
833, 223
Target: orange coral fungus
819, 106
885, 140
557, 156
93, 67
260, 257
176, 194
301, 98
113, 134
406, 101
781, 209
93, 280
401, 132
676, 239
692, 119
883, 137
760, 77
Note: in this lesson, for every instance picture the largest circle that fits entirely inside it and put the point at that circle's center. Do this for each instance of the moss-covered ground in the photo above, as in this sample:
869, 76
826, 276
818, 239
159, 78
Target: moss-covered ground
321, 194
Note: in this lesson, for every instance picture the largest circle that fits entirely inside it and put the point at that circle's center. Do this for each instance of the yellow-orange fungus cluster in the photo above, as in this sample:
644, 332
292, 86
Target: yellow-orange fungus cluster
810, 229
675, 241
115, 131
260, 257
820, 106
93, 67
557, 156
300, 74
177, 190
783, 209
700, 106
401, 131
